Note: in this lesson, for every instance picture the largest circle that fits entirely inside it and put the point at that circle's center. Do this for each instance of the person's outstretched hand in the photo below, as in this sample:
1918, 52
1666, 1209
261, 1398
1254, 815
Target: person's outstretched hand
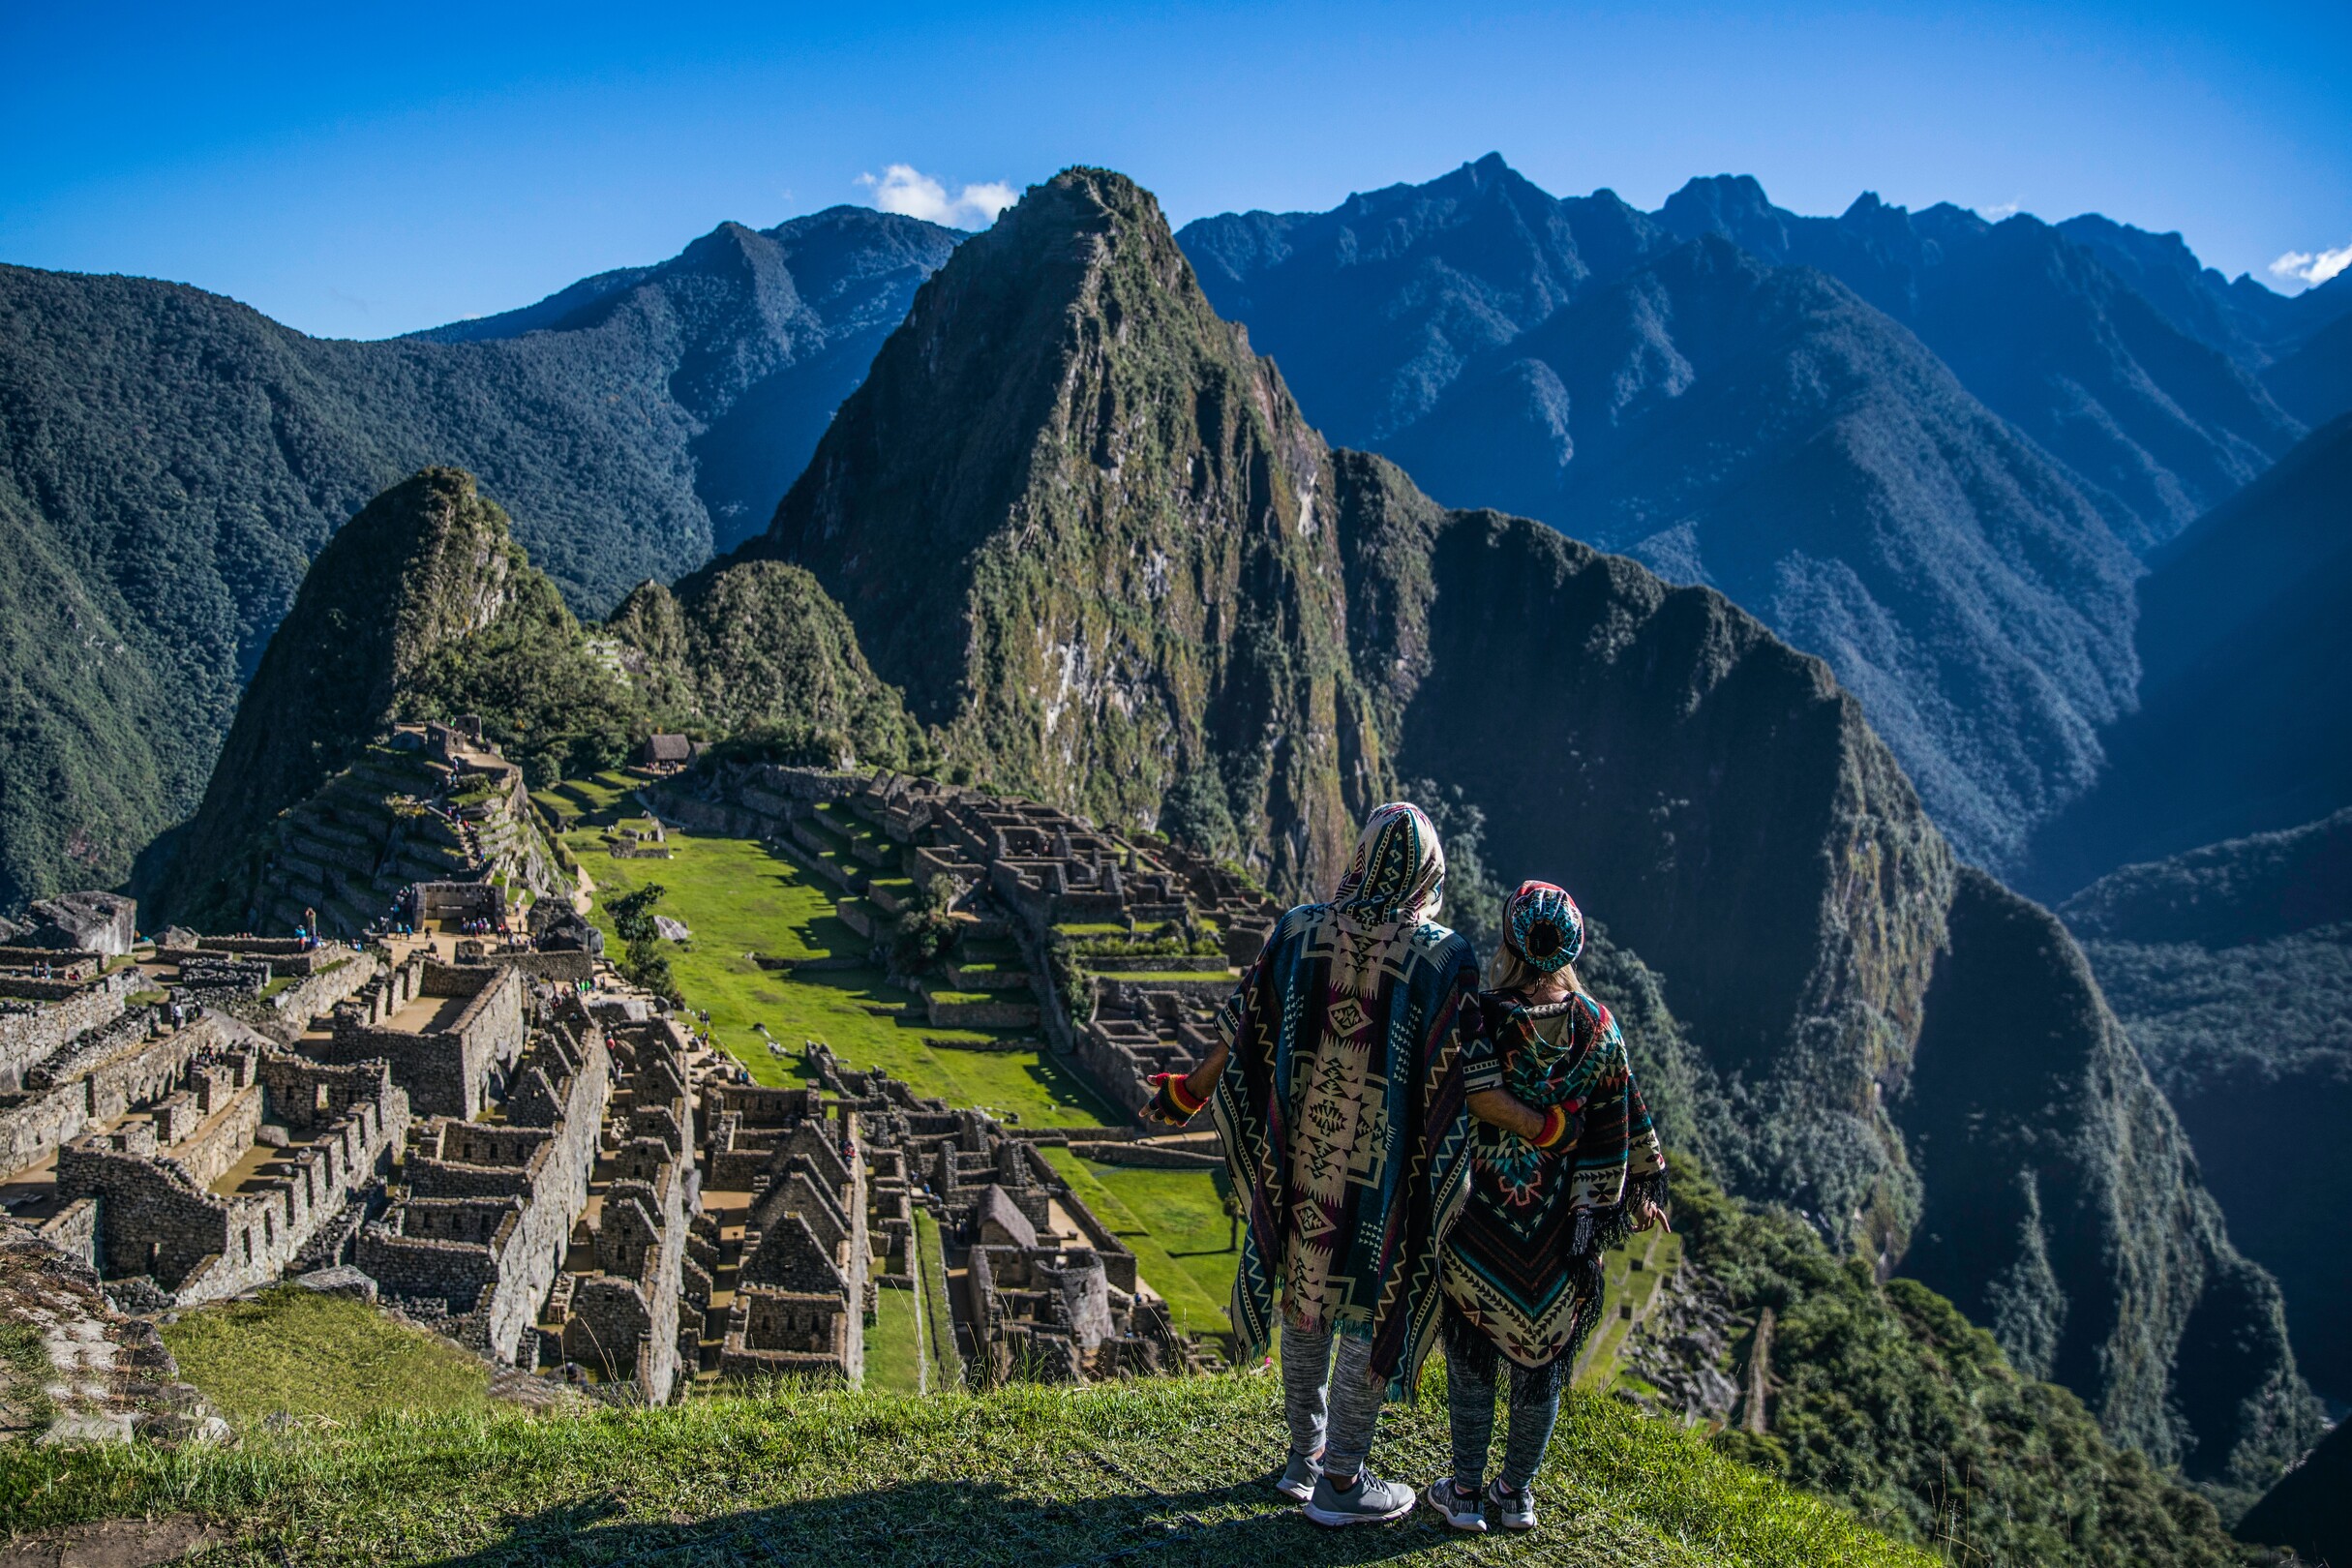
1169, 1105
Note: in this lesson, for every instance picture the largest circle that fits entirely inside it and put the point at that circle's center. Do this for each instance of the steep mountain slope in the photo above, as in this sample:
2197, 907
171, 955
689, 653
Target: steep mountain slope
1070, 478
173, 460
422, 606
2247, 660
1373, 308
2231, 968
1782, 440
2154, 424
2314, 383
2253, 324
2307, 1510
1762, 430
2040, 1138
1087, 530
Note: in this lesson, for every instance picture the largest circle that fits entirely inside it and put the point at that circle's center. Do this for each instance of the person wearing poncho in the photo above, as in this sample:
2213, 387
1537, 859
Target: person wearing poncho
1521, 1270
1350, 1062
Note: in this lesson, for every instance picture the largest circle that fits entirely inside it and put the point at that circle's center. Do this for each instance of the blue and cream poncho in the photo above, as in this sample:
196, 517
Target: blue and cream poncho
1356, 1041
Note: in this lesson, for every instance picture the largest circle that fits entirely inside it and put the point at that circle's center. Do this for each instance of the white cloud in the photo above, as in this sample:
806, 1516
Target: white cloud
2001, 210
2302, 266
905, 188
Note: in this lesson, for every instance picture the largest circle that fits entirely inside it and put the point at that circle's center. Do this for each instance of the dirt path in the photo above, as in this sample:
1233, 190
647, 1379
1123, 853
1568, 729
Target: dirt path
113, 1542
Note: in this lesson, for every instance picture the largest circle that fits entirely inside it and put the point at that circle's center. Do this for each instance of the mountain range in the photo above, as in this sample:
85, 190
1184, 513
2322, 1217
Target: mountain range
1936, 476
171, 461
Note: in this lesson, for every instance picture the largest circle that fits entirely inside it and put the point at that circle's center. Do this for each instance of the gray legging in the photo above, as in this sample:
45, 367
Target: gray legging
1355, 1399
1535, 1407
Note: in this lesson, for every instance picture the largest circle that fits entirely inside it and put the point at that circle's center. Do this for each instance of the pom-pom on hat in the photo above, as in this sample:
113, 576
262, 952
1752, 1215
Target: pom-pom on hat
1543, 925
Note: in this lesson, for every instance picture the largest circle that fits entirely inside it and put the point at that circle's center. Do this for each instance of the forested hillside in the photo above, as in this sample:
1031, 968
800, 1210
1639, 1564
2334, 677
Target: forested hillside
2243, 722
171, 462
2231, 967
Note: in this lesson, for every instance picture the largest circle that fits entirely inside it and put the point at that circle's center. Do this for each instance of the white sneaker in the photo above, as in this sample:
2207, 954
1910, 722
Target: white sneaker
1462, 1513
1369, 1501
1513, 1510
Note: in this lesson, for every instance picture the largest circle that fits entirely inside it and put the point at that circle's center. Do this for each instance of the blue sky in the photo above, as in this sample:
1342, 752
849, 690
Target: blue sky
360, 172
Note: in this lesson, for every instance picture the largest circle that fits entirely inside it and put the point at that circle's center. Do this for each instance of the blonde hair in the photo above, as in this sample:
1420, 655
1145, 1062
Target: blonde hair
1507, 971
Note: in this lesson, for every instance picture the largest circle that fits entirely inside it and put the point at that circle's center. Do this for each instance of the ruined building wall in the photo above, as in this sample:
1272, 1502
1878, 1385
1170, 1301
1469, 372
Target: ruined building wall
456, 1070
39, 1023
155, 1217
497, 1282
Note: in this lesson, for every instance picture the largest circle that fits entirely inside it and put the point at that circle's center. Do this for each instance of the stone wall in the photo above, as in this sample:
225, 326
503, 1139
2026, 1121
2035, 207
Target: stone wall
33, 1123
41, 1026
453, 1071
496, 1281
156, 1218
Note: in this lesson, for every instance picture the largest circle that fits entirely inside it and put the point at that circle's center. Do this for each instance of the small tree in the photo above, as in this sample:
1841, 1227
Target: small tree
925, 930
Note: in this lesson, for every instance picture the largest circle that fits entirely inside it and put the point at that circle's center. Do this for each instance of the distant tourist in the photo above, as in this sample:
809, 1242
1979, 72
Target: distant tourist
1350, 1062
1522, 1265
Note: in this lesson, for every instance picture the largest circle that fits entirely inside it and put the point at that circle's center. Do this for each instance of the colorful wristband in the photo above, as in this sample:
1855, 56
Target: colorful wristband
1171, 1084
1554, 1128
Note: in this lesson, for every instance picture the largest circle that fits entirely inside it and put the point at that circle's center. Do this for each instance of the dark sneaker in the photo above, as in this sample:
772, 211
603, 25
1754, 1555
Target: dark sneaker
1369, 1501
1463, 1510
1299, 1476
1513, 1510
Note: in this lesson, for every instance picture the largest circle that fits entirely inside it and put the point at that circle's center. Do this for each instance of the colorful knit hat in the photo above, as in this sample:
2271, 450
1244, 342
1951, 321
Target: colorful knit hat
1543, 925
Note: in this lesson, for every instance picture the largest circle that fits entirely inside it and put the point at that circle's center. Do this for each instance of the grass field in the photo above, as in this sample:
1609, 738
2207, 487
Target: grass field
1159, 1470
939, 1322
893, 1345
297, 1353
1196, 1308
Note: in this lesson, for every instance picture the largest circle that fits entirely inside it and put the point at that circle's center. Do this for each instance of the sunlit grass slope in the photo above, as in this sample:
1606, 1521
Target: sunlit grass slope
296, 1353
1169, 1469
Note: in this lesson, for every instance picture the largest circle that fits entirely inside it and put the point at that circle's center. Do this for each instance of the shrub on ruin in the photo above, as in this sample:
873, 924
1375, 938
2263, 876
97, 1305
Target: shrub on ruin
924, 930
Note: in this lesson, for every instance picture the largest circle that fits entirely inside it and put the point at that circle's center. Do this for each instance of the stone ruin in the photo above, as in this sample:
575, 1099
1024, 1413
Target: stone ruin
433, 806
549, 1171
162, 1139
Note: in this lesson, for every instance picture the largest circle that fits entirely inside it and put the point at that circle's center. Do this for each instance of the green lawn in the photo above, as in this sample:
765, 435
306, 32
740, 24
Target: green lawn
298, 1353
1185, 1215
1025, 1475
893, 1345
1194, 1307
741, 899
946, 1363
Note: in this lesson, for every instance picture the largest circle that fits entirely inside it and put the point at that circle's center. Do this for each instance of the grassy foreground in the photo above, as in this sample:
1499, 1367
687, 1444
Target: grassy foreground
1163, 1470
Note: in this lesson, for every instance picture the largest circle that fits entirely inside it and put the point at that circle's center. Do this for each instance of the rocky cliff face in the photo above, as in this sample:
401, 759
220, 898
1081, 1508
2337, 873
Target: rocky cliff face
2065, 1208
1090, 535
1710, 793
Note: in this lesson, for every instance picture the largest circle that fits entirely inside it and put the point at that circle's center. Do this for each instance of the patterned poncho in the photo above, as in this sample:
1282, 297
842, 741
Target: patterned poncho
1356, 1041
1522, 1265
